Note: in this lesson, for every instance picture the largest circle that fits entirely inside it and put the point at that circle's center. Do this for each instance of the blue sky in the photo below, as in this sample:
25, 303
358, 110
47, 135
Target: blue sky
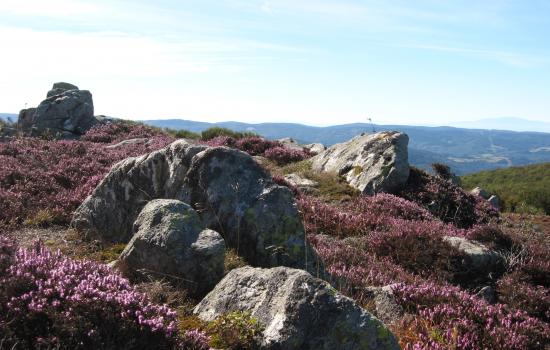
315, 62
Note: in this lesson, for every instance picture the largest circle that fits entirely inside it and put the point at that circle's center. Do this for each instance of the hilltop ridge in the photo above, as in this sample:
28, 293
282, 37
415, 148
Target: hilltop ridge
464, 150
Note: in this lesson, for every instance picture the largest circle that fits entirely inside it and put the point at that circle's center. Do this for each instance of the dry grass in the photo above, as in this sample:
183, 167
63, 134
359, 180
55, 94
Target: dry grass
233, 261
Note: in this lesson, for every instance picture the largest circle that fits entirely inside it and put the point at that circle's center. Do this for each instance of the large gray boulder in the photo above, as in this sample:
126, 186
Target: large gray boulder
170, 240
231, 192
110, 211
237, 197
371, 163
297, 310
67, 112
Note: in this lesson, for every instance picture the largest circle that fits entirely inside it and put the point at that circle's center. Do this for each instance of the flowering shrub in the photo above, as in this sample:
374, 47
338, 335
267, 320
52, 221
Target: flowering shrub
446, 200
47, 300
516, 290
282, 155
116, 132
389, 205
462, 321
383, 239
258, 146
364, 215
54, 177
195, 340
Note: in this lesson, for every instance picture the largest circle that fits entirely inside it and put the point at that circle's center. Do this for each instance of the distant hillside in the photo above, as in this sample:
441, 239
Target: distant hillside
514, 124
521, 188
465, 150
8, 117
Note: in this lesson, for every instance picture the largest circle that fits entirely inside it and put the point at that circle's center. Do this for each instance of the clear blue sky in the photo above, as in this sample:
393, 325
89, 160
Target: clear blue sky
316, 62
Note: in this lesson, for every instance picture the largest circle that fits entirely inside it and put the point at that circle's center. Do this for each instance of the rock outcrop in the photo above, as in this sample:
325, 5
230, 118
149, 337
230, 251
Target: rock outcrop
315, 147
232, 194
170, 241
301, 182
136, 141
110, 211
478, 191
371, 163
493, 200
67, 112
25, 121
61, 87
297, 310
385, 304
289, 142
480, 258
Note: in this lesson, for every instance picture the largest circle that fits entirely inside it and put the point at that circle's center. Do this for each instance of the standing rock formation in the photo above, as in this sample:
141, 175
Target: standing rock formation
297, 310
67, 112
371, 163
170, 240
231, 192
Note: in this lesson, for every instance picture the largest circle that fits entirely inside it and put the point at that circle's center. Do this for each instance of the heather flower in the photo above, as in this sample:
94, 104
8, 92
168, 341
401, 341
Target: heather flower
46, 298
56, 176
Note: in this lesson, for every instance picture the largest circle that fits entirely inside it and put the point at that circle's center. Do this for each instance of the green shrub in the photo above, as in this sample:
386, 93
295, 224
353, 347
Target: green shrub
214, 132
522, 189
235, 330
182, 134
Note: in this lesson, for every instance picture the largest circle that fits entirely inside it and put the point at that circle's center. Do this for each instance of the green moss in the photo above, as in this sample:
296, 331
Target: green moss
110, 253
357, 170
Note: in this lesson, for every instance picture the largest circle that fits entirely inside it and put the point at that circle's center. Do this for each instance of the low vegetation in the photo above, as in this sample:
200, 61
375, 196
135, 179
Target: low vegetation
50, 300
214, 132
523, 189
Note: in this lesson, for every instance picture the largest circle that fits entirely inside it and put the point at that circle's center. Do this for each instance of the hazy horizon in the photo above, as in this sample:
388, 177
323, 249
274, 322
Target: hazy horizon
310, 62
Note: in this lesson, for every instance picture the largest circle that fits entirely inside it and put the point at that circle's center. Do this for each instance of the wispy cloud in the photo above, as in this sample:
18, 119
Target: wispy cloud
50, 8
509, 58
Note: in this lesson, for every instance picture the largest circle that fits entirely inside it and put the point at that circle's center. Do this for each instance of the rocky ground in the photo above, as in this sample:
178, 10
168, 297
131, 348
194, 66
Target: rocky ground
234, 241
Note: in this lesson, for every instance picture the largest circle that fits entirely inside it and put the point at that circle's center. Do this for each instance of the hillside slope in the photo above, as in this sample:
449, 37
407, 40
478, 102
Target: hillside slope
525, 188
464, 150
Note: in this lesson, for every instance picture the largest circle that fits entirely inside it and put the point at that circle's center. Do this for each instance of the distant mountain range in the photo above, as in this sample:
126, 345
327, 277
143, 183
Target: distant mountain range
8, 117
464, 150
512, 124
